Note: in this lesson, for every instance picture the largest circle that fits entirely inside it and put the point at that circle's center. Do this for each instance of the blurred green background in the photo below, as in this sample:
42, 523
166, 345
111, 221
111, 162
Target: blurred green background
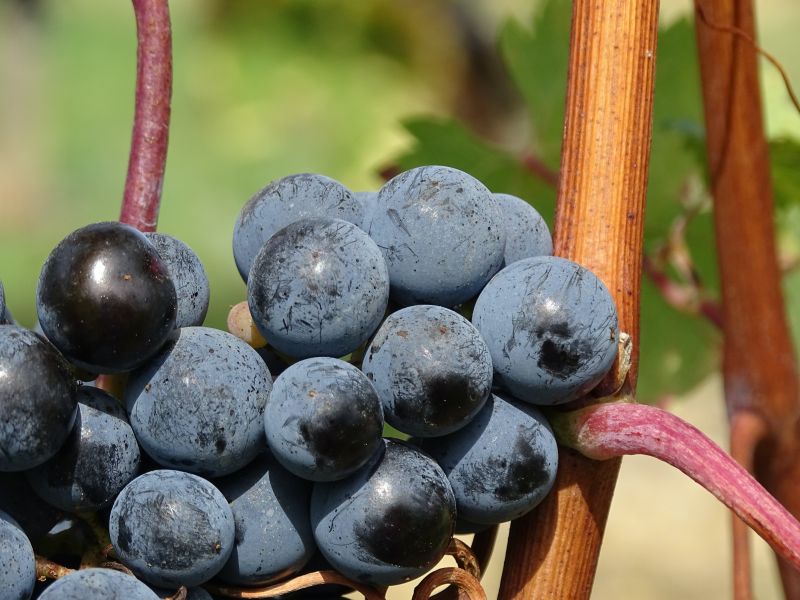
350, 89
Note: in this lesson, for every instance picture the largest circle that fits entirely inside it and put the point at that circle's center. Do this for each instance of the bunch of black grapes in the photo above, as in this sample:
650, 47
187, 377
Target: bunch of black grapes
229, 464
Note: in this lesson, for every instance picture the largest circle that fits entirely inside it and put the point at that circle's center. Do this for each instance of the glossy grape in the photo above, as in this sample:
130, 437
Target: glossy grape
526, 231
432, 370
199, 404
318, 287
188, 276
551, 327
98, 584
273, 534
37, 399
323, 419
98, 459
105, 298
390, 521
502, 464
441, 233
283, 202
17, 563
172, 528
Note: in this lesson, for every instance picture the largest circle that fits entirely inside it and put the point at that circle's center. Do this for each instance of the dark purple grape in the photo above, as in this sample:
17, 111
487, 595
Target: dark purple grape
273, 534
390, 521
172, 528
323, 419
17, 563
98, 584
188, 276
37, 399
105, 298
98, 459
431, 369
501, 465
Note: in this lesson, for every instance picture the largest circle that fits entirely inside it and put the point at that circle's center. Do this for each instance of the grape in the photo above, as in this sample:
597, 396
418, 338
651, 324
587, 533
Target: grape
323, 419
275, 364
431, 368
501, 465
283, 202
194, 593
5, 318
526, 231
273, 534
37, 399
188, 276
34, 515
172, 528
390, 521
17, 563
199, 404
551, 327
318, 287
98, 584
441, 233
98, 459
368, 201
105, 298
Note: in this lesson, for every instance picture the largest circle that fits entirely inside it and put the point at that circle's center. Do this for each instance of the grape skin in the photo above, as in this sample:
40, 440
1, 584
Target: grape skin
390, 521
172, 528
104, 298
526, 231
98, 584
198, 405
432, 370
318, 287
188, 276
442, 235
283, 202
17, 562
37, 399
551, 327
501, 465
323, 419
98, 459
273, 533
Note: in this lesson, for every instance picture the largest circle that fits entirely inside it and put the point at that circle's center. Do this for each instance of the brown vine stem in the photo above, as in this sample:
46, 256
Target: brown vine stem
47, 569
552, 552
295, 584
151, 118
759, 367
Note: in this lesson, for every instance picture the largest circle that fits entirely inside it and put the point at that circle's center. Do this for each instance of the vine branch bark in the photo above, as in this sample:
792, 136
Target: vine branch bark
553, 551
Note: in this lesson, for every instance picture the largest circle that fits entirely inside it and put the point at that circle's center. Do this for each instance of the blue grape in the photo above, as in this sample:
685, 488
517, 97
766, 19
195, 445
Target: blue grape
172, 528
318, 287
323, 419
273, 534
17, 498
104, 298
98, 584
501, 465
5, 315
551, 327
526, 231
368, 201
192, 593
442, 235
283, 202
198, 405
390, 521
17, 563
431, 369
37, 399
188, 276
98, 459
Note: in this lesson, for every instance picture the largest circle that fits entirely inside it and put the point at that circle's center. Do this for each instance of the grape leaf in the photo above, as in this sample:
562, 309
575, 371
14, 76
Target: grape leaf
784, 155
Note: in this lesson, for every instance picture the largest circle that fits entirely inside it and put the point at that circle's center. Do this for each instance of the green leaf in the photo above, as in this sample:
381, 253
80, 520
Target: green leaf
447, 142
537, 59
784, 156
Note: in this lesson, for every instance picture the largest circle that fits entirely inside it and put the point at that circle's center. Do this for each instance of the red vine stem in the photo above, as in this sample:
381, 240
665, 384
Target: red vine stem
606, 431
151, 118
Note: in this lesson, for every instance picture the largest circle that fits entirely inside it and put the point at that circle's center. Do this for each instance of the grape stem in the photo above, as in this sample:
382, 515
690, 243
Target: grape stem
151, 118
605, 431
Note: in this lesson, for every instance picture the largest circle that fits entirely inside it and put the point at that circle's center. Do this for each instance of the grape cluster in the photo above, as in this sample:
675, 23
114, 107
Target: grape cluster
432, 306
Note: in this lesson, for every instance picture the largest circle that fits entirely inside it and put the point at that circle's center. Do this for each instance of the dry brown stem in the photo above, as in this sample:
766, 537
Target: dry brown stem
553, 551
